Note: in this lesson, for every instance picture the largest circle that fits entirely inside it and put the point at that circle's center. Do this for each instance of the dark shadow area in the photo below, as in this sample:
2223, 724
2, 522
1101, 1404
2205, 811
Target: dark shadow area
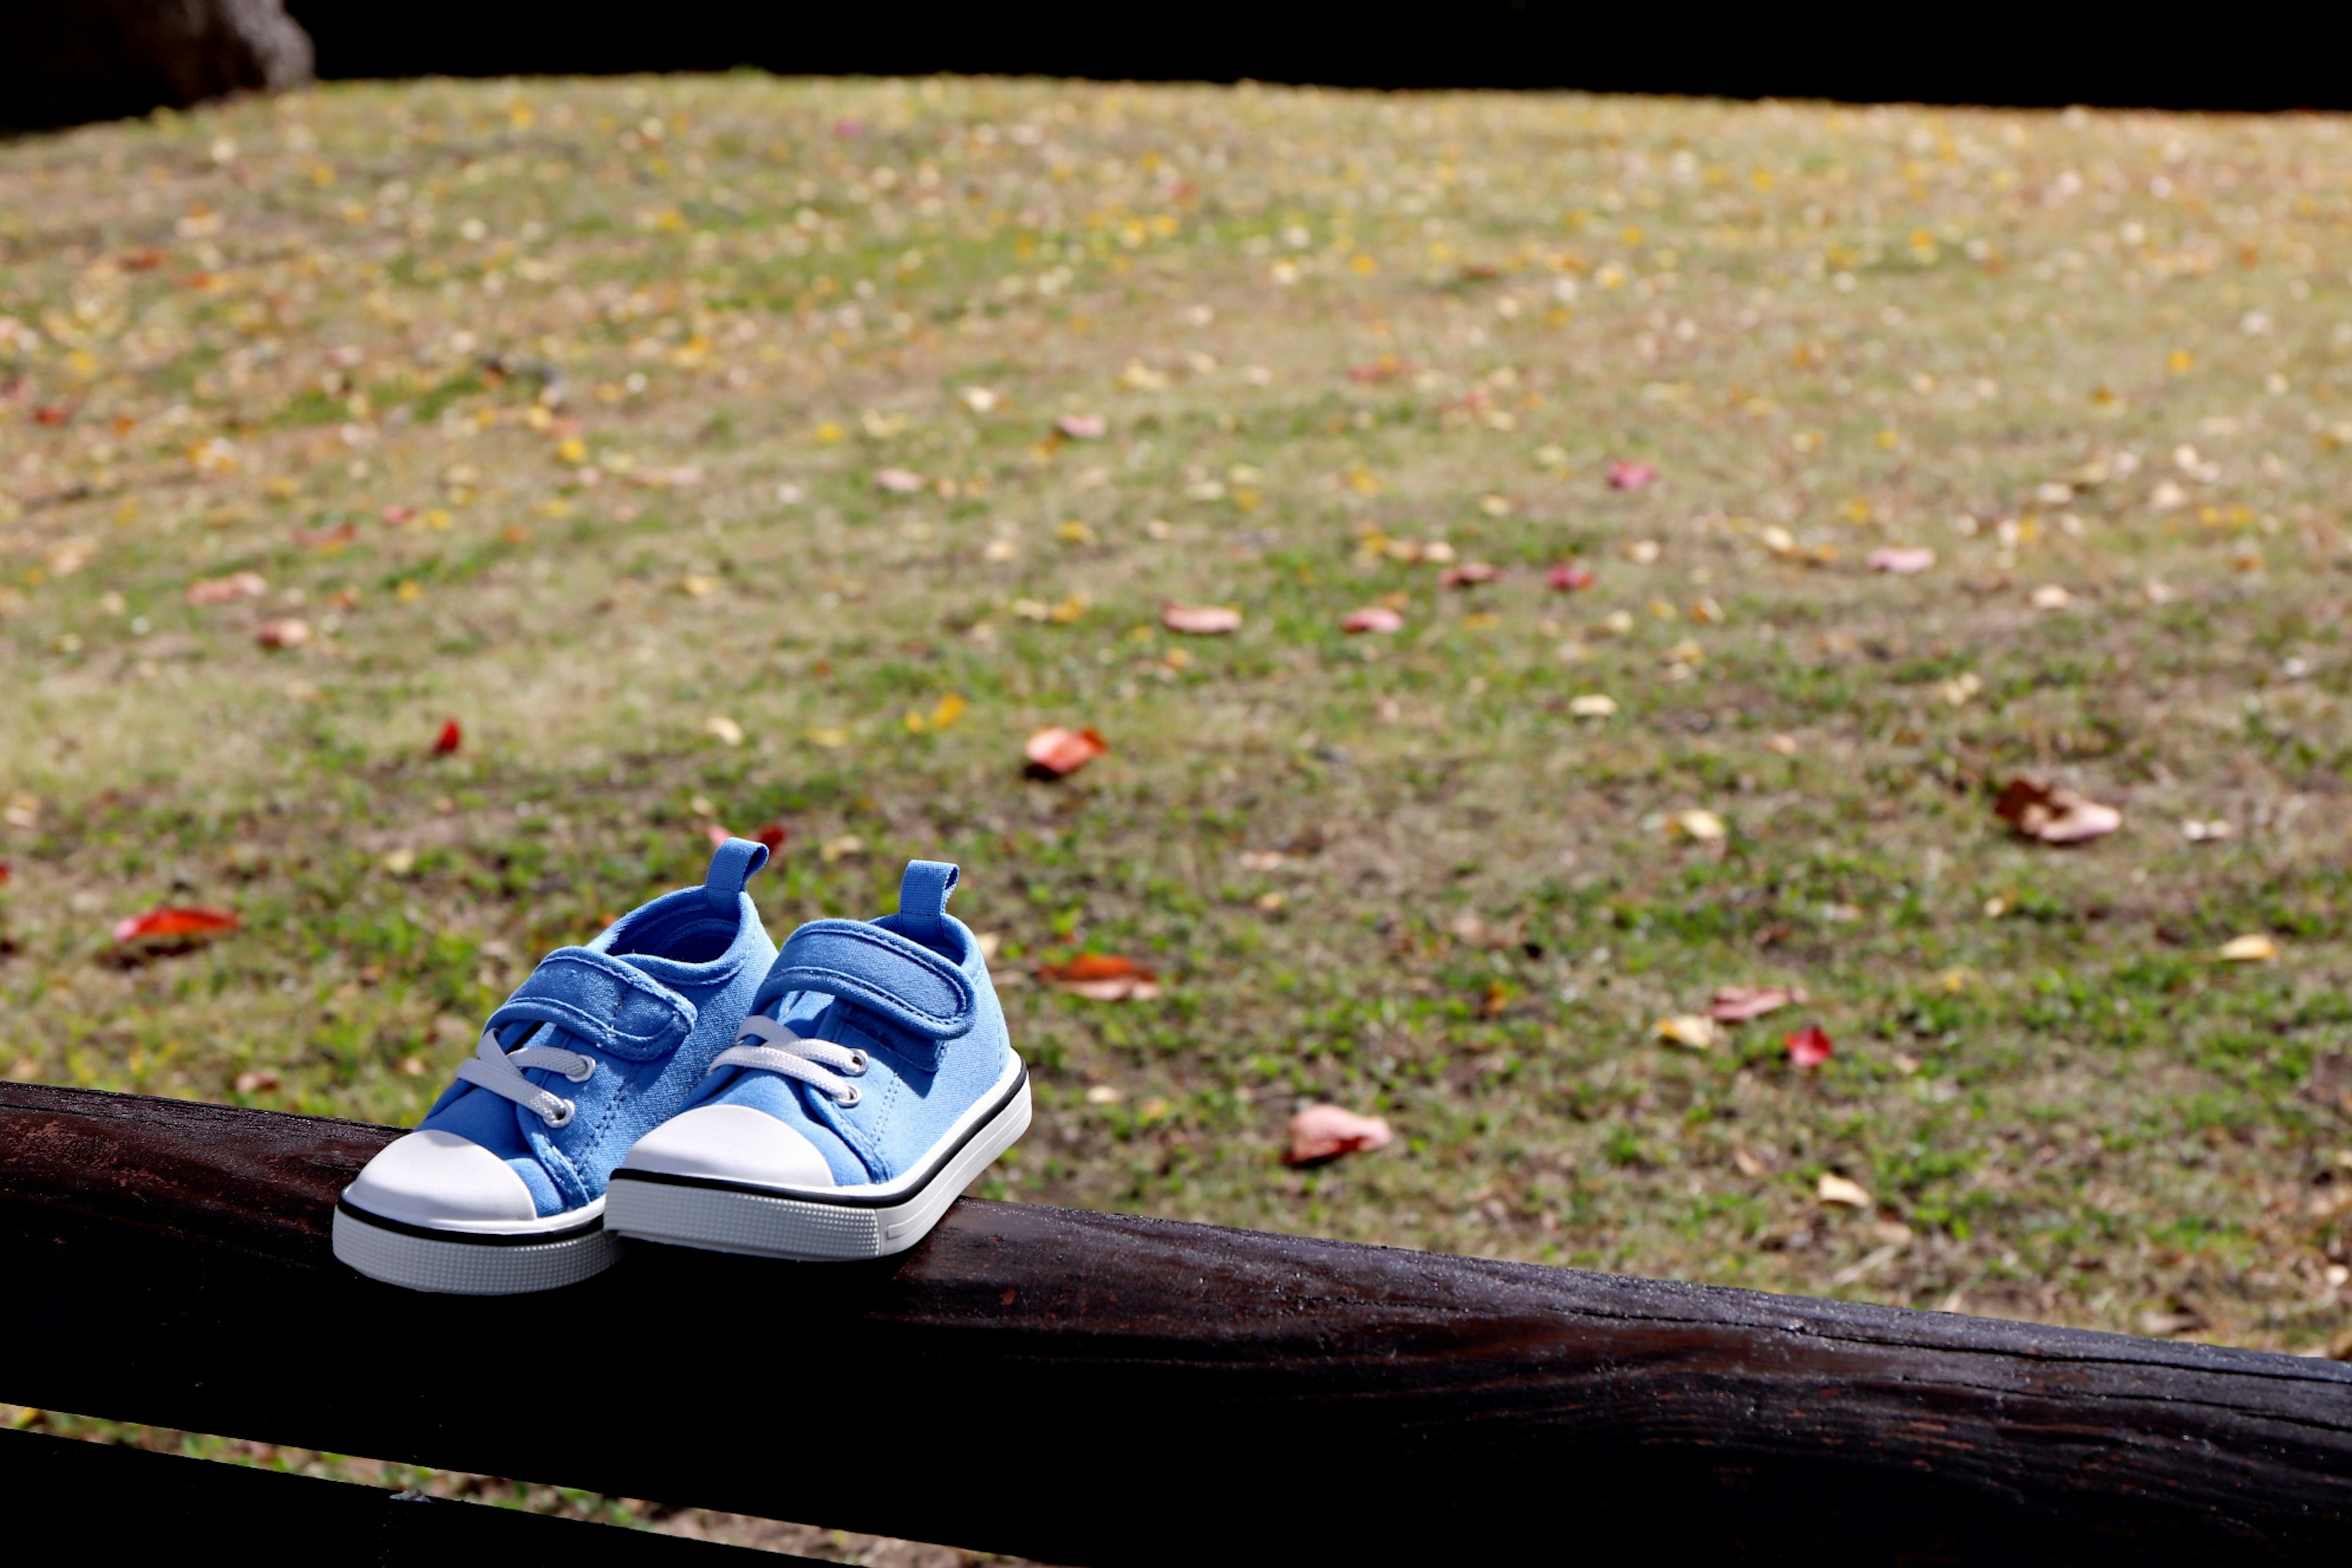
2024, 60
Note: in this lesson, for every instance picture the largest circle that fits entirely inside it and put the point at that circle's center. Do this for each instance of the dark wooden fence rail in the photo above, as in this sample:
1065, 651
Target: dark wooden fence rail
1097, 1389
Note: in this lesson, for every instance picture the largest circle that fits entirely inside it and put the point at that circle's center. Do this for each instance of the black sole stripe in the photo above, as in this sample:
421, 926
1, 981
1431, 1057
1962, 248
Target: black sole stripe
469, 1239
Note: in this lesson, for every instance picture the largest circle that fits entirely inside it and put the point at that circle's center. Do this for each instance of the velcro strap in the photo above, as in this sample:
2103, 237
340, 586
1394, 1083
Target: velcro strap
608, 1004
881, 971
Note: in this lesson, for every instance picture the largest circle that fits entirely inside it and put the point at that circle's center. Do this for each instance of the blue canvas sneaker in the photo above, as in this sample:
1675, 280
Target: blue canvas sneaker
501, 1187
871, 1083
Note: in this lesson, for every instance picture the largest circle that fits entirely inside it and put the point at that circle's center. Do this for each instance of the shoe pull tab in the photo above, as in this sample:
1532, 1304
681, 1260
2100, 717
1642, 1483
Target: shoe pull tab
732, 865
923, 893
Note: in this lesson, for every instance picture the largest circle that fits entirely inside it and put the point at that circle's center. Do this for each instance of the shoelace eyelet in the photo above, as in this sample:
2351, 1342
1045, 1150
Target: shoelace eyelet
849, 1098
586, 1070
571, 1109
857, 1065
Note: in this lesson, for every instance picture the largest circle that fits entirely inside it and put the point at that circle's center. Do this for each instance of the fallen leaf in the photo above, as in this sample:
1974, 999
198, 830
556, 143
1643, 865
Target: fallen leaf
1373, 618
773, 836
1056, 752
1201, 620
322, 538
1593, 705
1102, 977
898, 481
979, 399
724, 729
1782, 745
1738, 1003
2256, 948
1082, 427
286, 631
1321, 1133
1568, 578
1104, 1094
1703, 825
399, 862
223, 590
840, 847
1694, 1030
2050, 596
1808, 1047
1835, 1189
2055, 815
451, 737
1469, 574
2177, 1319
2206, 832
256, 1082
1625, 476
173, 928
1902, 560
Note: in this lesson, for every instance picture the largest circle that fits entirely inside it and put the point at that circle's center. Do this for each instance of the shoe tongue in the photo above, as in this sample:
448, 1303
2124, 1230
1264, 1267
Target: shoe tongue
606, 1004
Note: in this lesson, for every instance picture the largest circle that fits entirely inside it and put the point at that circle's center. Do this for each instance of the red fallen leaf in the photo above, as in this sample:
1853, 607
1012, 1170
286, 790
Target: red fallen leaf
51, 413
1388, 367
1568, 578
1808, 1047
142, 261
1373, 618
452, 736
1082, 427
396, 514
898, 481
1738, 1003
1103, 977
319, 538
1625, 476
174, 926
5, 873
1201, 620
2055, 815
1056, 752
286, 631
772, 836
1469, 573
222, 590
1902, 560
1321, 1133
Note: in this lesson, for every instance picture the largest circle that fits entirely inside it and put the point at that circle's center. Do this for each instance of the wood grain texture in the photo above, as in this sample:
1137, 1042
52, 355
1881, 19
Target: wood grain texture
1099, 1389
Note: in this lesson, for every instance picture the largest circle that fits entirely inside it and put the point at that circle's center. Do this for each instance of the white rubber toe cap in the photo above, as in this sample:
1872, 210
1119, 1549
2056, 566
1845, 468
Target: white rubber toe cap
731, 1143
439, 1178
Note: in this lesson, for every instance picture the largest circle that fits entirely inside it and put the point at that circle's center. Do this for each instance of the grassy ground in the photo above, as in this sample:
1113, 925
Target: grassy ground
632, 356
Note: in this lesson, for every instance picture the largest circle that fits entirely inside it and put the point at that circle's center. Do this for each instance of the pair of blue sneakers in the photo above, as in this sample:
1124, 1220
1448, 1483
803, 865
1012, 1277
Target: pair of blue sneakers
680, 1080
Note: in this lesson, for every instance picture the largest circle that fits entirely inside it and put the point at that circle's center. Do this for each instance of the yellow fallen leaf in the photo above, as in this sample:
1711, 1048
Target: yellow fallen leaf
2256, 948
725, 729
1593, 705
832, 737
1694, 1030
1703, 825
697, 586
399, 862
1834, 1189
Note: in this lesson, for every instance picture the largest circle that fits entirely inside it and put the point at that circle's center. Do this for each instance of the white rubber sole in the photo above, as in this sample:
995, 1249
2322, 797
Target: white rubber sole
572, 1247
813, 1224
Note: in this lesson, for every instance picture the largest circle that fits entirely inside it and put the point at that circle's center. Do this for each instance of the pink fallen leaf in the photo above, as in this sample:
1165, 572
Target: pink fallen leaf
225, 590
1738, 1003
2055, 815
285, 631
1568, 578
174, 926
1902, 560
1056, 752
1470, 573
717, 834
1201, 620
1373, 618
898, 481
397, 514
1103, 977
1082, 427
1321, 1133
1808, 1047
1625, 476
